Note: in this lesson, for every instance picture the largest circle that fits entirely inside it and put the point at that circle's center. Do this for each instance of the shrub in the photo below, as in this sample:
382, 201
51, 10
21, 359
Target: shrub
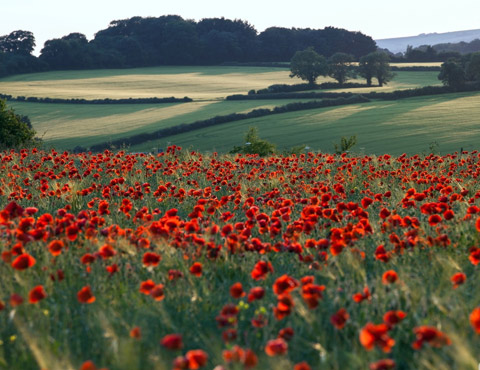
254, 145
14, 129
345, 144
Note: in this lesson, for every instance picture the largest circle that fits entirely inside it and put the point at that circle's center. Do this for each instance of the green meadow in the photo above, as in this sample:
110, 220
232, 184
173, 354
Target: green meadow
443, 123
411, 124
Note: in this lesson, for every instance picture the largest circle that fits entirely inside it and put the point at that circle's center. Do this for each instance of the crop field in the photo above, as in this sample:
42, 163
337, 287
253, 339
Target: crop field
199, 83
443, 123
65, 126
186, 260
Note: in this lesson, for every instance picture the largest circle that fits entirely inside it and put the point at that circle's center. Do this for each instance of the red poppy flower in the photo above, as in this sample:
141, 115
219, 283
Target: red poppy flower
286, 333
384, 213
37, 294
393, 317
236, 354
23, 262
85, 295
136, 333
261, 270
340, 318
2, 305
284, 306
236, 290
107, 251
172, 341
229, 335
285, 284
196, 359
276, 347
475, 319
16, 300
256, 293
385, 364
389, 277
373, 335
250, 359
87, 258
259, 321
434, 220
147, 286
55, 247
174, 274
458, 279
474, 256
151, 259
72, 232
196, 269
302, 366
360, 297
157, 292
430, 335
88, 365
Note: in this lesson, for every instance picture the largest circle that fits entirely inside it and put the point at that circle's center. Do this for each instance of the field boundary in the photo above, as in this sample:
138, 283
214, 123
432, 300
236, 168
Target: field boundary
47, 100
394, 95
218, 120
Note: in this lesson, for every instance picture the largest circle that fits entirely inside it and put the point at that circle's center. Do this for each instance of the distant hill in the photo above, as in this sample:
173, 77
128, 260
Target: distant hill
399, 44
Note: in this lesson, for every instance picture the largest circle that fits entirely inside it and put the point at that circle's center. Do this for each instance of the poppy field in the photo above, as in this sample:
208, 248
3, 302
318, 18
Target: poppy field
184, 260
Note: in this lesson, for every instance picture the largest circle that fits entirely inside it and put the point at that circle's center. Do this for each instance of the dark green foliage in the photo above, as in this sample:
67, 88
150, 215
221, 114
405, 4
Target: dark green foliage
254, 145
35, 99
340, 67
14, 129
172, 40
459, 47
472, 67
308, 65
375, 65
345, 144
452, 75
17, 42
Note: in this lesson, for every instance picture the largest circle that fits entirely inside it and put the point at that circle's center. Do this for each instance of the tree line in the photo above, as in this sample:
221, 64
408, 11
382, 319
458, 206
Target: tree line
172, 40
309, 65
458, 72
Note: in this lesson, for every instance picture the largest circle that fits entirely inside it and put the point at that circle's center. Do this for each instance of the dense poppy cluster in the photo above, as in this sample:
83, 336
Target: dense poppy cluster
287, 258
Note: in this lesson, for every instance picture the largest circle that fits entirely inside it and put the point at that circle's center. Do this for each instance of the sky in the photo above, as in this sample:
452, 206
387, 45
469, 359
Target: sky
49, 19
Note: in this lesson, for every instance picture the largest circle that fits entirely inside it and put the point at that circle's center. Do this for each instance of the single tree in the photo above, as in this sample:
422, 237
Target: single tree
14, 131
375, 65
340, 67
308, 65
452, 74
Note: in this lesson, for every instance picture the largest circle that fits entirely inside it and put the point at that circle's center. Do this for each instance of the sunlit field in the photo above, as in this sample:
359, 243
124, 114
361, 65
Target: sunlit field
445, 124
190, 261
65, 126
200, 83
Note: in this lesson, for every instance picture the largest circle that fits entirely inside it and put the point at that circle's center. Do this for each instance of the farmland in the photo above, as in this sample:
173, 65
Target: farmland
446, 122
186, 260
65, 126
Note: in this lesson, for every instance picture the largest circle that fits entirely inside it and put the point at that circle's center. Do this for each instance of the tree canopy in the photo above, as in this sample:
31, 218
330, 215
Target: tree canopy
375, 65
340, 67
308, 65
173, 40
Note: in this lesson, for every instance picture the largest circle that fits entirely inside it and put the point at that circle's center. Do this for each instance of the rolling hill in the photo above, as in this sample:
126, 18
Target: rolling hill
399, 44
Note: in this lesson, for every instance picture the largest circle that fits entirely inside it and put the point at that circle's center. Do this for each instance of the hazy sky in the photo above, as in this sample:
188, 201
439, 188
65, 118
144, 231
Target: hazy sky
49, 19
